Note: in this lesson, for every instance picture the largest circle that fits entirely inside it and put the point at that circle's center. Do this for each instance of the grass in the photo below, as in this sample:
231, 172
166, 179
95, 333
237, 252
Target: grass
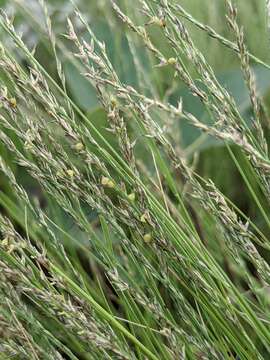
119, 240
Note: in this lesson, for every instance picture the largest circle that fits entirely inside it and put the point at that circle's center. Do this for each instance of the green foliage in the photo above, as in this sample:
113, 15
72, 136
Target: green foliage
134, 181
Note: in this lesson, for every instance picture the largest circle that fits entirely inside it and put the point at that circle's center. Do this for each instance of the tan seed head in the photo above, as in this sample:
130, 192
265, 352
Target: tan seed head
79, 146
70, 173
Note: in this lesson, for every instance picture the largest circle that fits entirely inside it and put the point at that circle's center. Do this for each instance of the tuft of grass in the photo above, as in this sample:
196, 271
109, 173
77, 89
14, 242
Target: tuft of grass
116, 241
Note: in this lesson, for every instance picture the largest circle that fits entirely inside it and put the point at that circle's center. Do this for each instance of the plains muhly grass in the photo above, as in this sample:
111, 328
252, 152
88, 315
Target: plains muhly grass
139, 277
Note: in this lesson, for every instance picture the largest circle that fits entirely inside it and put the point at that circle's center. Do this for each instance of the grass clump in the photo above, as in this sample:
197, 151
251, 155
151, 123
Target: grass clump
115, 243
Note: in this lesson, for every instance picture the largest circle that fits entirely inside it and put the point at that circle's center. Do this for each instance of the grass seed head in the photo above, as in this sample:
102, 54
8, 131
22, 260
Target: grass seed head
28, 145
157, 21
70, 173
145, 217
147, 238
113, 102
79, 146
171, 61
132, 196
12, 102
106, 182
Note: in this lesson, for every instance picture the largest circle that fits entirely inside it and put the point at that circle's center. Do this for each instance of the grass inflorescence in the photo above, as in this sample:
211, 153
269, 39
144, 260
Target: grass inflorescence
115, 243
